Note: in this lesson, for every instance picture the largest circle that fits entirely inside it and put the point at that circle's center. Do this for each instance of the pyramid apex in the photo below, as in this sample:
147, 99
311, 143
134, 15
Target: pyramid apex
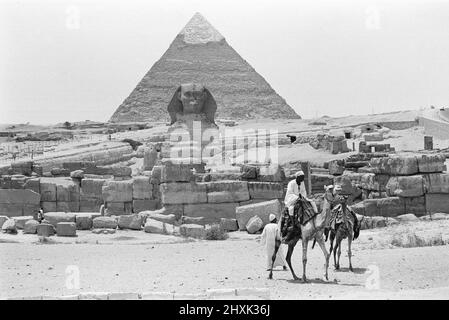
199, 30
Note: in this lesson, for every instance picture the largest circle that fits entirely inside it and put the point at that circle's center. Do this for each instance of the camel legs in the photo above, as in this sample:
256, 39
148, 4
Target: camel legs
304, 259
320, 241
336, 265
349, 251
277, 245
338, 243
291, 247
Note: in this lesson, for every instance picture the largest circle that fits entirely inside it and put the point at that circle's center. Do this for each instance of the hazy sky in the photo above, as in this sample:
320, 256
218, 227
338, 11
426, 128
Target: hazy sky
76, 60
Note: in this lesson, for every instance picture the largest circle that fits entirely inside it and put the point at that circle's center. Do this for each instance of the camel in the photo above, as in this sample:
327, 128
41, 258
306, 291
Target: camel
346, 229
313, 229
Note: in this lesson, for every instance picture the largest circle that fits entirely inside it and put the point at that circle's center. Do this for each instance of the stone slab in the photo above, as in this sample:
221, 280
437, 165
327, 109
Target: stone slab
211, 212
262, 210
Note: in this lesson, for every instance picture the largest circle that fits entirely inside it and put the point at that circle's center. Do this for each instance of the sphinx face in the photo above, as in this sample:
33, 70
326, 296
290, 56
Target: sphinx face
192, 98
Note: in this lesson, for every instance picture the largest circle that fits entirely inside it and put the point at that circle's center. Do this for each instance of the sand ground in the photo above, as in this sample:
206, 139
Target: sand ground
132, 261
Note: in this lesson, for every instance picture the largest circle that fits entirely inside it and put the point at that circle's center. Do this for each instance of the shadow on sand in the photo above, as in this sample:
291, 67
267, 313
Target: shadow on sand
321, 281
355, 270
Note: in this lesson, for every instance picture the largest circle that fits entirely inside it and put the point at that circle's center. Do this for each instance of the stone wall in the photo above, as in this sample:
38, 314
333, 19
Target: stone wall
396, 185
183, 196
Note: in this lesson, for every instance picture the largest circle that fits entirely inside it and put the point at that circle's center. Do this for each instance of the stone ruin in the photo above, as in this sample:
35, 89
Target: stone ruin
394, 185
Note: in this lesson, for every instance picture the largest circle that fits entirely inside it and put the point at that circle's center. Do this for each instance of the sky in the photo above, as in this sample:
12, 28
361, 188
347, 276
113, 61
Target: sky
77, 60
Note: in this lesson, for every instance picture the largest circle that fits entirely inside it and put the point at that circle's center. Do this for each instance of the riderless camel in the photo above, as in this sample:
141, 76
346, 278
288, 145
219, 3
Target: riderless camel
313, 229
346, 229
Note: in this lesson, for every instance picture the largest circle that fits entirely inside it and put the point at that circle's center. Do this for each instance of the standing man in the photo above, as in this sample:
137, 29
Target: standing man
294, 189
269, 235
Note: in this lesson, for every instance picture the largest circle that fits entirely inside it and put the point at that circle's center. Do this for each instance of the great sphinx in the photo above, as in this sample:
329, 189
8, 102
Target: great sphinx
192, 112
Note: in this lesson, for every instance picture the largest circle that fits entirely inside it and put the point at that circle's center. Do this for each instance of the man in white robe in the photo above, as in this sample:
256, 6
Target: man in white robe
269, 235
294, 189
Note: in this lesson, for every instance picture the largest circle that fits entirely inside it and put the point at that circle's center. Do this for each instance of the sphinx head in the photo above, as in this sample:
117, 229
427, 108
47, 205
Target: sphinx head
192, 98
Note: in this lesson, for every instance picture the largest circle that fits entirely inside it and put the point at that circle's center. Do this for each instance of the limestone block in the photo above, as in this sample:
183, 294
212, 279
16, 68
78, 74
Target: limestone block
156, 174
176, 172
436, 183
22, 167
132, 221
254, 225
118, 191
227, 191
68, 206
431, 163
143, 205
142, 188
90, 205
192, 230
371, 208
48, 190
262, 210
319, 181
2, 220
179, 193
336, 167
265, 190
416, 206
84, 222
30, 227
154, 226
121, 171
66, 229
390, 207
398, 165
194, 220
55, 217
251, 201
92, 188
48, 206
20, 221
229, 224
116, 208
437, 202
45, 230
11, 209
33, 185
67, 191
9, 226
19, 196
249, 172
156, 215
212, 212
375, 182
105, 223
406, 186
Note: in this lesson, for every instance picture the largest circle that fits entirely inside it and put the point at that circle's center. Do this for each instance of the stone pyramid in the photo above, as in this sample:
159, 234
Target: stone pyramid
201, 54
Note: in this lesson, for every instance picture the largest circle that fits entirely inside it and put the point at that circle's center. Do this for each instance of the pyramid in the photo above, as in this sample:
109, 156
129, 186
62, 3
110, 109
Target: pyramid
200, 54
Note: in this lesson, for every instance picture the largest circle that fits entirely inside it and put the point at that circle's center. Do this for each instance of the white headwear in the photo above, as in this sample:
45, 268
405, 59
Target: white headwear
272, 217
299, 173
